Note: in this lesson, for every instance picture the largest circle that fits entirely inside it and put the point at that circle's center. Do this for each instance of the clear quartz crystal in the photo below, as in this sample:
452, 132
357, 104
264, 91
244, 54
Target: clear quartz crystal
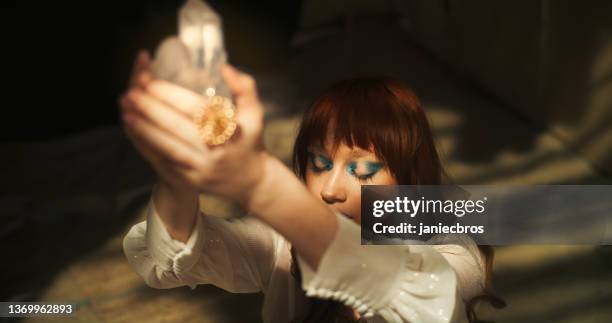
200, 31
194, 60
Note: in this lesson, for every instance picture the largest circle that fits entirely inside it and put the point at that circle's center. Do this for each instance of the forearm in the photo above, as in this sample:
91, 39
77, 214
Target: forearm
178, 209
283, 202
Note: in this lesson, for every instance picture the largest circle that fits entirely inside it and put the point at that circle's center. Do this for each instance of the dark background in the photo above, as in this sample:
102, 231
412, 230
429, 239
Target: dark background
66, 62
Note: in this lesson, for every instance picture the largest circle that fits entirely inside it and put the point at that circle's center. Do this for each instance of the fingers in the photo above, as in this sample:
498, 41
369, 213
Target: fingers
161, 133
167, 169
249, 114
240, 84
157, 161
173, 149
163, 167
250, 119
184, 100
141, 74
163, 116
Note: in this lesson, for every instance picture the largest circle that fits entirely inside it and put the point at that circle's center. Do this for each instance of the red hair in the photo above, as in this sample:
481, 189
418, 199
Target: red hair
385, 116
378, 114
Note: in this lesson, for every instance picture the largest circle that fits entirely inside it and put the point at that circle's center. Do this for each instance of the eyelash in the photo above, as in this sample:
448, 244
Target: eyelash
314, 164
316, 169
365, 177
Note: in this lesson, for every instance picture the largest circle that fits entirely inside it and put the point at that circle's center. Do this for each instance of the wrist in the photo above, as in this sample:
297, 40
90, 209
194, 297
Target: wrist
177, 208
261, 190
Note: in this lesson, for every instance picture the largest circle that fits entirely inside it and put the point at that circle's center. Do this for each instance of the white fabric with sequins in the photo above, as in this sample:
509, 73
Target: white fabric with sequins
397, 283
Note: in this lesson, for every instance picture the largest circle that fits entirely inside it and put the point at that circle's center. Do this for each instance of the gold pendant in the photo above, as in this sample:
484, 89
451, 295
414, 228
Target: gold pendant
216, 121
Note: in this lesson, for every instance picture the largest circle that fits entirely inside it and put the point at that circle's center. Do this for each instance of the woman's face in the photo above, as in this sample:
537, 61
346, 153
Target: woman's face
337, 178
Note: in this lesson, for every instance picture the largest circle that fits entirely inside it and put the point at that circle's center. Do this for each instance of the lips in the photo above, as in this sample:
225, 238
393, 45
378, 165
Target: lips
345, 215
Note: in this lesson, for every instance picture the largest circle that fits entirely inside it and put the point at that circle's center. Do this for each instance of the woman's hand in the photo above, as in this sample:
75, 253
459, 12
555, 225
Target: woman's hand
157, 118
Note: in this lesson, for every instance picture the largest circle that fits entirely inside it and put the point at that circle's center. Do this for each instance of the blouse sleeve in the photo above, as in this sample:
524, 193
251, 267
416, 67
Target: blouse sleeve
400, 283
237, 255
463, 255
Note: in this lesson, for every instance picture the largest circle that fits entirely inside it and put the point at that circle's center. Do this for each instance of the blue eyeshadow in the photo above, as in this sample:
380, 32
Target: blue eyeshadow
373, 167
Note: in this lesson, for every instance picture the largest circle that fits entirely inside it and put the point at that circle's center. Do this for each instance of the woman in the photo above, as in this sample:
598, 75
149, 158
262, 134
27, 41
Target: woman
361, 132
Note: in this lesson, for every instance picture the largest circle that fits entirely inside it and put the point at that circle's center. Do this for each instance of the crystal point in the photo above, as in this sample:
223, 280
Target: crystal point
200, 31
193, 60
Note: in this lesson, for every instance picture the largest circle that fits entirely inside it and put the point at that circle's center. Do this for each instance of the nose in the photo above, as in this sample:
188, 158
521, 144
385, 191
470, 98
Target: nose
334, 191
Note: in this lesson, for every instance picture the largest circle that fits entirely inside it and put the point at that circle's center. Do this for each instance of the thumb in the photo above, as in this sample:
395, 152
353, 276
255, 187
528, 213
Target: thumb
241, 85
140, 69
249, 110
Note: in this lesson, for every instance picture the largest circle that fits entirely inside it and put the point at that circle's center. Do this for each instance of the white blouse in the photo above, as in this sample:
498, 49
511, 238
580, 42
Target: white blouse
396, 283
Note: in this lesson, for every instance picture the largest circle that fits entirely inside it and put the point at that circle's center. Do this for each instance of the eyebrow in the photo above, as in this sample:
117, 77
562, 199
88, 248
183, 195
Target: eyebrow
360, 153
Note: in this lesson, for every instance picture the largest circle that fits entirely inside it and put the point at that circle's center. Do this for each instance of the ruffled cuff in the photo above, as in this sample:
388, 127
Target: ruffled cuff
398, 282
167, 253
